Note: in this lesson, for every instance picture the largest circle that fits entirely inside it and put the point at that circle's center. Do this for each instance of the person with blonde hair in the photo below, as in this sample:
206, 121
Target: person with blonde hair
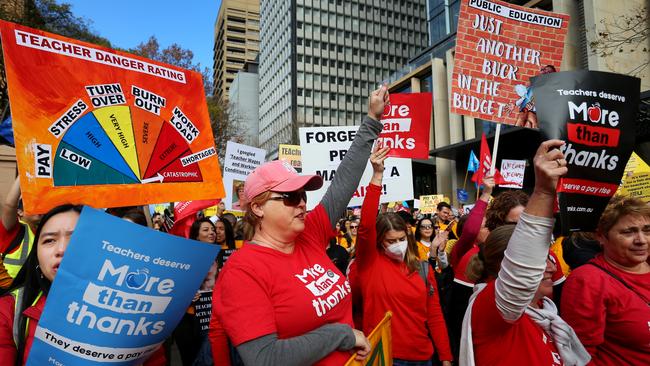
280, 298
607, 300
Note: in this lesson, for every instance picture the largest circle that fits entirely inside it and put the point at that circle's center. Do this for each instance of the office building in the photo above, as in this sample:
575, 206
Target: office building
236, 41
319, 60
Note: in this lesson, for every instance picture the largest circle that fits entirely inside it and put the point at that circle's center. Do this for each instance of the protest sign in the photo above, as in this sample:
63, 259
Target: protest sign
636, 180
381, 345
595, 114
512, 172
499, 46
461, 195
407, 122
467, 209
203, 311
240, 161
323, 148
120, 291
290, 154
128, 130
429, 203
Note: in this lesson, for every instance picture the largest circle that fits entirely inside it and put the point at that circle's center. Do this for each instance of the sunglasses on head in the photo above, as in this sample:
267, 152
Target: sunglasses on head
290, 198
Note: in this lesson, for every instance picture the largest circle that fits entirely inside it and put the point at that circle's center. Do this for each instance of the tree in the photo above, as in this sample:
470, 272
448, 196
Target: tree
226, 125
627, 33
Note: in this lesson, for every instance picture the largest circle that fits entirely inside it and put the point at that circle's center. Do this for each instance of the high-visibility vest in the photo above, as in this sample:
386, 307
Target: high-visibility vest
18, 301
14, 261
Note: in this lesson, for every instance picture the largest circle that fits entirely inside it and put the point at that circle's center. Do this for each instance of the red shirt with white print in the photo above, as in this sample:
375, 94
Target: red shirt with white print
263, 291
498, 342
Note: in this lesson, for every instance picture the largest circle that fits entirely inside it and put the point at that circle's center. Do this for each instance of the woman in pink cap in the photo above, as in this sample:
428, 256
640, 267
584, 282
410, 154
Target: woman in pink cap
280, 299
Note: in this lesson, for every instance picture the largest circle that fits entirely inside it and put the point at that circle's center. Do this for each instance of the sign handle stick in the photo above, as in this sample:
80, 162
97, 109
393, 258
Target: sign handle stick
465, 182
495, 149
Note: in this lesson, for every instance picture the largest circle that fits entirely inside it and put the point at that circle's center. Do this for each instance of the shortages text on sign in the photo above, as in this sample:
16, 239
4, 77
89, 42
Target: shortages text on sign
129, 130
323, 148
499, 46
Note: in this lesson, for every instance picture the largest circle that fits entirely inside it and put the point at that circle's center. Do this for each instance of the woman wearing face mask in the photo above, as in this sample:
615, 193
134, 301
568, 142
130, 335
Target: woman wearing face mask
22, 304
388, 271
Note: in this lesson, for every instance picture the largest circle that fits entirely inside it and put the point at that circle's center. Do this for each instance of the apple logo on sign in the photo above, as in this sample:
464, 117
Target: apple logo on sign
136, 280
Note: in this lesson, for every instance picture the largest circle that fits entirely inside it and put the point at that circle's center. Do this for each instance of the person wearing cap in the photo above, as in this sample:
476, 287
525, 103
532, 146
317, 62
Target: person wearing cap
280, 299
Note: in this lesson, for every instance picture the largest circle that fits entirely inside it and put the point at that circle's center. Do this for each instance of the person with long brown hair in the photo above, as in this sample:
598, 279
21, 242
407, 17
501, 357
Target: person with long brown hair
510, 319
391, 279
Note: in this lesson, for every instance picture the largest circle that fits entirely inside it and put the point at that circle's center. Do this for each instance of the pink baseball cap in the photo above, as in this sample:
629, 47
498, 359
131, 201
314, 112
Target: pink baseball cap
278, 176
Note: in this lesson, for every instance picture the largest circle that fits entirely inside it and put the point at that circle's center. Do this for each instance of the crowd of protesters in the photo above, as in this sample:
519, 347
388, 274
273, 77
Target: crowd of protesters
298, 287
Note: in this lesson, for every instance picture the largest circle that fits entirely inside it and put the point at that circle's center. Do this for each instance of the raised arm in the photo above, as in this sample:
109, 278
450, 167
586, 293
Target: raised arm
10, 206
347, 177
525, 257
473, 224
367, 237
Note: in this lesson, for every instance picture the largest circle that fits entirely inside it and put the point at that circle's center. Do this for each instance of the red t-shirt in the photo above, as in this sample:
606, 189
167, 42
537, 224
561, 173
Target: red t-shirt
612, 322
497, 342
7, 236
386, 286
263, 291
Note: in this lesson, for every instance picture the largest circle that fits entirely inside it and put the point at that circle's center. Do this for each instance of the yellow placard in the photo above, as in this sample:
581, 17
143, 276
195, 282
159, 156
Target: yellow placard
381, 343
636, 180
290, 154
429, 203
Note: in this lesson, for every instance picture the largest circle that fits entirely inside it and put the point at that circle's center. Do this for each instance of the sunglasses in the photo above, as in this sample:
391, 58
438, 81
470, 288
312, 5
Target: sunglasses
292, 199
426, 227
354, 226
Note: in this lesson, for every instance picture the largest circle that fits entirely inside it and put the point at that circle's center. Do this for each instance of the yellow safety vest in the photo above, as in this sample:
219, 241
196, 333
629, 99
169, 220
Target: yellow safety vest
14, 261
18, 296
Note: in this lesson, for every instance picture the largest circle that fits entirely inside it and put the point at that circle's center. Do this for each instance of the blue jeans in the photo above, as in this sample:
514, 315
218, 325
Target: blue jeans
397, 362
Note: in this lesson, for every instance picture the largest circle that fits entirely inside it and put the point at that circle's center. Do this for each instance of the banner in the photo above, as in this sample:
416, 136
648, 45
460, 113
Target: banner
290, 154
407, 123
381, 343
429, 203
323, 148
636, 180
595, 113
106, 128
240, 161
120, 291
513, 171
499, 46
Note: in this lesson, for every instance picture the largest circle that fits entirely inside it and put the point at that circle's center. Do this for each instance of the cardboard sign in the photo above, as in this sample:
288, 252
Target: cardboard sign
513, 171
290, 154
595, 113
240, 161
203, 311
103, 127
499, 46
429, 203
407, 122
381, 345
636, 180
323, 148
120, 291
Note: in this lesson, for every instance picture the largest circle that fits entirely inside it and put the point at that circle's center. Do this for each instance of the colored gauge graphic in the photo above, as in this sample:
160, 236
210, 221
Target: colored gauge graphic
122, 145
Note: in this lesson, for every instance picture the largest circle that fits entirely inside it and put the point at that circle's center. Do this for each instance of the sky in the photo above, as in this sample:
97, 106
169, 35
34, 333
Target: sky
126, 24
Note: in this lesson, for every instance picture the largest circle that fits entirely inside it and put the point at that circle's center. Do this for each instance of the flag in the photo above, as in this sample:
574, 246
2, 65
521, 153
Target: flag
484, 166
473, 163
6, 132
381, 351
185, 215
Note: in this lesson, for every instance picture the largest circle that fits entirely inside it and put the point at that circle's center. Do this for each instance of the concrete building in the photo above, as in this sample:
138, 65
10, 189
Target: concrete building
319, 60
244, 94
453, 135
236, 41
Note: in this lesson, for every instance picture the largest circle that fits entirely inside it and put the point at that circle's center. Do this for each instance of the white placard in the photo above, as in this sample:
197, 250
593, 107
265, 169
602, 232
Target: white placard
240, 161
323, 148
513, 171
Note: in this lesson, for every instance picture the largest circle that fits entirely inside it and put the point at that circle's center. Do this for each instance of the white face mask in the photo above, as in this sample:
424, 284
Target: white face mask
397, 251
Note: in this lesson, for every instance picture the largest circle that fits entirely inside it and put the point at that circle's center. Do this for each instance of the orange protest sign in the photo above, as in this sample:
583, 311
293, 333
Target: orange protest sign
381, 343
105, 128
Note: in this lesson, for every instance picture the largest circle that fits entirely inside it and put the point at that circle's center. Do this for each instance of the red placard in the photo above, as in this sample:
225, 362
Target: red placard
499, 47
407, 122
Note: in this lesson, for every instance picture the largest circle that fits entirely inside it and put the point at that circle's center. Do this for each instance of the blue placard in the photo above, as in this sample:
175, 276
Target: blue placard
461, 194
120, 291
